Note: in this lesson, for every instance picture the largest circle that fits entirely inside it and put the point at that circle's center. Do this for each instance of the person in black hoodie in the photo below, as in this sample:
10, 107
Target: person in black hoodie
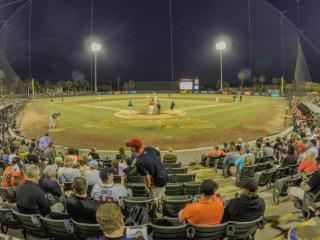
248, 206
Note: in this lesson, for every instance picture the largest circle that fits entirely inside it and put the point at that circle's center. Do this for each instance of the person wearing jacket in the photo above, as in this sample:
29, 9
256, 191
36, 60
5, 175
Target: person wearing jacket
248, 206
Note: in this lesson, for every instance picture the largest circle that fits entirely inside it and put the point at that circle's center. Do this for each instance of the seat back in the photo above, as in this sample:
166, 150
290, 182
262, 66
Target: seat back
247, 171
31, 224
263, 178
138, 190
174, 189
171, 178
172, 165
85, 230
58, 229
262, 166
172, 205
183, 178
192, 188
137, 179
8, 220
8, 194
170, 161
207, 231
167, 229
178, 170
116, 179
244, 230
140, 201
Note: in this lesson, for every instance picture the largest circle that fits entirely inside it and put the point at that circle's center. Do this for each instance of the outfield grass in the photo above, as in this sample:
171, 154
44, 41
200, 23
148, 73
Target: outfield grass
88, 121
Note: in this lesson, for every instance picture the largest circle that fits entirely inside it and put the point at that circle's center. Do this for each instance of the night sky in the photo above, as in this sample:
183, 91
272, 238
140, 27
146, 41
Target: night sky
135, 35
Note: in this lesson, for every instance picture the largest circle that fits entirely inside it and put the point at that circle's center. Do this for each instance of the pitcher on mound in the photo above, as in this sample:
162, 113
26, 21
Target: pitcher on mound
151, 105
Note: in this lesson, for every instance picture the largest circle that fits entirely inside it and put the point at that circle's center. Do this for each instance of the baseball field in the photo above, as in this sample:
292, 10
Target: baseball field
196, 121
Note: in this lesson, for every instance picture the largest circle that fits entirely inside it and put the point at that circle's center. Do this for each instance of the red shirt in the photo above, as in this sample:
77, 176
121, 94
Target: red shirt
308, 166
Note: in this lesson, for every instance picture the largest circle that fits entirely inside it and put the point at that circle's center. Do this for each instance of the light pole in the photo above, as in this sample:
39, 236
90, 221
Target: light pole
220, 46
95, 47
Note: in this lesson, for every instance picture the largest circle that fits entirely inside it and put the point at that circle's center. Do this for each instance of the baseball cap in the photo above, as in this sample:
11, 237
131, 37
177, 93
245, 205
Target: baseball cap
208, 187
105, 172
93, 163
249, 184
134, 143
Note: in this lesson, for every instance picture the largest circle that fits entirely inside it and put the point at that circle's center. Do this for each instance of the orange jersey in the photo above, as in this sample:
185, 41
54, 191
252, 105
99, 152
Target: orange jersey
9, 177
205, 211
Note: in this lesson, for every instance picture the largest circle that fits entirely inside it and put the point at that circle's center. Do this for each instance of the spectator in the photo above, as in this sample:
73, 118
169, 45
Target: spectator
312, 185
67, 173
49, 153
13, 174
240, 142
111, 222
73, 153
107, 190
257, 152
92, 175
207, 210
248, 206
130, 171
121, 154
239, 149
23, 148
246, 159
44, 142
268, 150
301, 152
83, 165
170, 155
150, 166
13, 153
309, 165
80, 207
229, 160
93, 154
30, 198
32, 146
313, 148
291, 158
216, 152
49, 183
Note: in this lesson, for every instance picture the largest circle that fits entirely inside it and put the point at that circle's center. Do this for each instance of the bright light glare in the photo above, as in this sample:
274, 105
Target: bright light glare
221, 45
95, 47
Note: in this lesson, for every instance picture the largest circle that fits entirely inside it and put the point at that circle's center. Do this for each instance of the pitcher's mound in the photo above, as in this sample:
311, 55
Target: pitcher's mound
144, 115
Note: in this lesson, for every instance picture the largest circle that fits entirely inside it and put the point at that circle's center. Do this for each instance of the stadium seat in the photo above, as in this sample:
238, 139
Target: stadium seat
58, 215
293, 169
138, 201
244, 230
171, 178
90, 187
183, 178
137, 179
58, 229
263, 166
165, 161
116, 179
174, 189
207, 231
307, 201
31, 224
172, 165
192, 188
172, 205
178, 170
264, 178
167, 229
8, 194
281, 185
85, 230
7, 220
247, 171
138, 190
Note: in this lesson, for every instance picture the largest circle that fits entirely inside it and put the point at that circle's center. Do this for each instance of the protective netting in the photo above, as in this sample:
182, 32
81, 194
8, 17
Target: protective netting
45, 40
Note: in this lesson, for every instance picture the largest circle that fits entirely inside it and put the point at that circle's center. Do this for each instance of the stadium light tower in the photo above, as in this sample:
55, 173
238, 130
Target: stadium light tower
220, 46
95, 47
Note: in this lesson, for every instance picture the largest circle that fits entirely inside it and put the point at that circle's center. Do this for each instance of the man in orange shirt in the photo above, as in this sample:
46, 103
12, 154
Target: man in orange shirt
208, 210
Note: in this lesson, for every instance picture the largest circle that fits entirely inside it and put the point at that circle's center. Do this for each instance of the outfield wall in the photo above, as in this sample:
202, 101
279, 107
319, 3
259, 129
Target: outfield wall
185, 156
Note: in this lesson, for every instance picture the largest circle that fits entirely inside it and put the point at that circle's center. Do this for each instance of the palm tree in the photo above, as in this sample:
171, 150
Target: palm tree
2, 76
68, 85
254, 81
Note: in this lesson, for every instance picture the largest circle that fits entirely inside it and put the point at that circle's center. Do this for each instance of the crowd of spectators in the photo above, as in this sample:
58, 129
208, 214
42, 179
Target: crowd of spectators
38, 174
